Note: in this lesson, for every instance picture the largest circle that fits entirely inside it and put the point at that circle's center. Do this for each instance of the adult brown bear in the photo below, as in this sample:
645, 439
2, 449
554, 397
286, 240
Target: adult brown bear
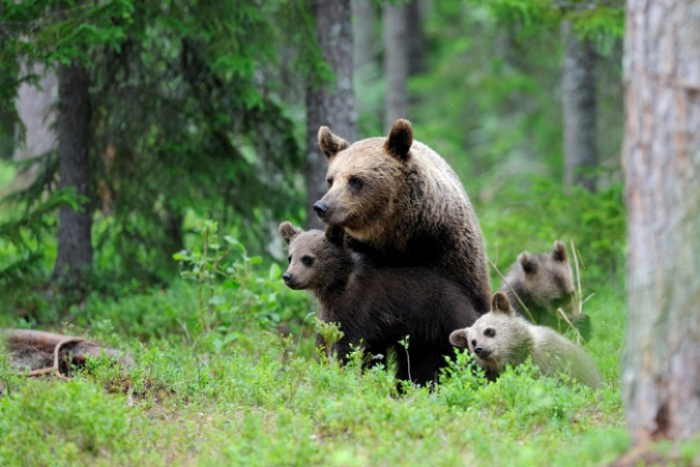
401, 204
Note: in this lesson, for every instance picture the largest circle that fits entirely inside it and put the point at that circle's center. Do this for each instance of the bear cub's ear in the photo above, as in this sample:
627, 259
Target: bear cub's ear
559, 252
500, 304
335, 234
288, 231
528, 263
329, 143
460, 338
400, 139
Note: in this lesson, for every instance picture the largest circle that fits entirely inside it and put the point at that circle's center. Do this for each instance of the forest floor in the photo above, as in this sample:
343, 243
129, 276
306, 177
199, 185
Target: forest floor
250, 396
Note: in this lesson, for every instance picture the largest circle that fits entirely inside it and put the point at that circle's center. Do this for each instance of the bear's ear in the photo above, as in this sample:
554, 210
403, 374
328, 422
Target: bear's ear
460, 338
329, 143
400, 139
500, 304
335, 234
288, 231
559, 252
529, 265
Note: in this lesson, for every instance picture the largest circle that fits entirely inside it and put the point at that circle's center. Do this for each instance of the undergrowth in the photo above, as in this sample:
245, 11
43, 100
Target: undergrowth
226, 372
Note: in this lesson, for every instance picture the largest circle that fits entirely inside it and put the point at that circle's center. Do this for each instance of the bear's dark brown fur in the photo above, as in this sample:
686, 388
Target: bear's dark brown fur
544, 282
376, 307
402, 205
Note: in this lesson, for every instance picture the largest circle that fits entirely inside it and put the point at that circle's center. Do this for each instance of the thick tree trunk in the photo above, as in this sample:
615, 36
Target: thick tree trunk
396, 61
661, 159
332, 104
74, 226
579, 105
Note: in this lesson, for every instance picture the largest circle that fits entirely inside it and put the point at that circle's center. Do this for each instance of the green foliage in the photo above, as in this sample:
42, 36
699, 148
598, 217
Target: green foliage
594, 222
264, 399
601, 21
232, 292
43, 423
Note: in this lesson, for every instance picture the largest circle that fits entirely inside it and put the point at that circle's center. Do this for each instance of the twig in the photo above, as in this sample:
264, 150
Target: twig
515, 294
579, 337
56, 353
578, 278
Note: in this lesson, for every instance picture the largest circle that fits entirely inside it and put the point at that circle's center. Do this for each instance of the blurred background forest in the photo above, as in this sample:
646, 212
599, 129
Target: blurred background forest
126, 126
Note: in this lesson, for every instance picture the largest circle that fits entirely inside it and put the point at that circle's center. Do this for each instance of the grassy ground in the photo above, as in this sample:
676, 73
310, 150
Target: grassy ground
240, 394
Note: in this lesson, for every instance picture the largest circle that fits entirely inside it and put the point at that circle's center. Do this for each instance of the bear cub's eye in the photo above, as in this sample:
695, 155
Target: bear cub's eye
490, 332
307, 260
329, 181
289, 258
355, 183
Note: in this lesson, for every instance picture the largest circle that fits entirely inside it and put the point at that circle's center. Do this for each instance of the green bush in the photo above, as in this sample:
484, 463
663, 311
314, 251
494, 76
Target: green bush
532, 220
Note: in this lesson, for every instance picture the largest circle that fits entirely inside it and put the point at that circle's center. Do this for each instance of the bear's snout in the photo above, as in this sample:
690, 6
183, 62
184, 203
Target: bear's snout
481, 352
287, 278
320, 208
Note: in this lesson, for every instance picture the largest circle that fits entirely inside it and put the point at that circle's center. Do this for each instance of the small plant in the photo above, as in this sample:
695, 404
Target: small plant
233, 290
330, 334
404, 343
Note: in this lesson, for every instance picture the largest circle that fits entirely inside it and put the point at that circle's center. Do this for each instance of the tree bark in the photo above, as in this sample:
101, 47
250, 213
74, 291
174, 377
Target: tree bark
364, 35
579, 108
396, 61
661, 161
74, 226
332, 104
416, 37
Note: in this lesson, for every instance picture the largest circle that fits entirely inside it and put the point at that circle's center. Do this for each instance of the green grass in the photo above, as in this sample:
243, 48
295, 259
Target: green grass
242, 394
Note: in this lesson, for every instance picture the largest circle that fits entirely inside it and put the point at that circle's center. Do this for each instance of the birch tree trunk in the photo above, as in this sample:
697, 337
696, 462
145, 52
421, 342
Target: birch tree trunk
661, 160
332, 104
74, 226
579, 108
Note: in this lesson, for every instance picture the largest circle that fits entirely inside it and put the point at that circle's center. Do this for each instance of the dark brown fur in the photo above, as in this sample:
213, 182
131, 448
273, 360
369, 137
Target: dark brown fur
544, 282
402, 205
376, 307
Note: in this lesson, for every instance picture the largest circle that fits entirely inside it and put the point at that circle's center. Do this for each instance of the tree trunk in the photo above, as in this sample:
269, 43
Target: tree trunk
364, 36
661, 161
74, 226
579, 102
332, 104
396, 61
35, 105
416, 37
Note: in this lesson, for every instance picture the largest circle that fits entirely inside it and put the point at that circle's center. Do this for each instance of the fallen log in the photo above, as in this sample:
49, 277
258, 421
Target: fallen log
35, 353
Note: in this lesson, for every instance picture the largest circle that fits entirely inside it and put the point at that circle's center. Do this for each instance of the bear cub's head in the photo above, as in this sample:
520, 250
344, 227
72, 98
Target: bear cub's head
548, 280
497, 338
365, 180
316, 258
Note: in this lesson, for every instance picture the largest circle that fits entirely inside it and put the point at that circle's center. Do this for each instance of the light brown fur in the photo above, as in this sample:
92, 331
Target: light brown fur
400, 201
501, 338
544, 282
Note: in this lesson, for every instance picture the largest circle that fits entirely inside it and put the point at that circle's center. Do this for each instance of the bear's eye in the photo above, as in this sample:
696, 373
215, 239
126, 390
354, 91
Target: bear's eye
355, 183
289, 258
329, 182
307, 260
490, 332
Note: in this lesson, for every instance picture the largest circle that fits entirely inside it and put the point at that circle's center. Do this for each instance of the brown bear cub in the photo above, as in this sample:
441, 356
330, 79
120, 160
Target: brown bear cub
502, 337
399, 202
376, 307
543, 283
